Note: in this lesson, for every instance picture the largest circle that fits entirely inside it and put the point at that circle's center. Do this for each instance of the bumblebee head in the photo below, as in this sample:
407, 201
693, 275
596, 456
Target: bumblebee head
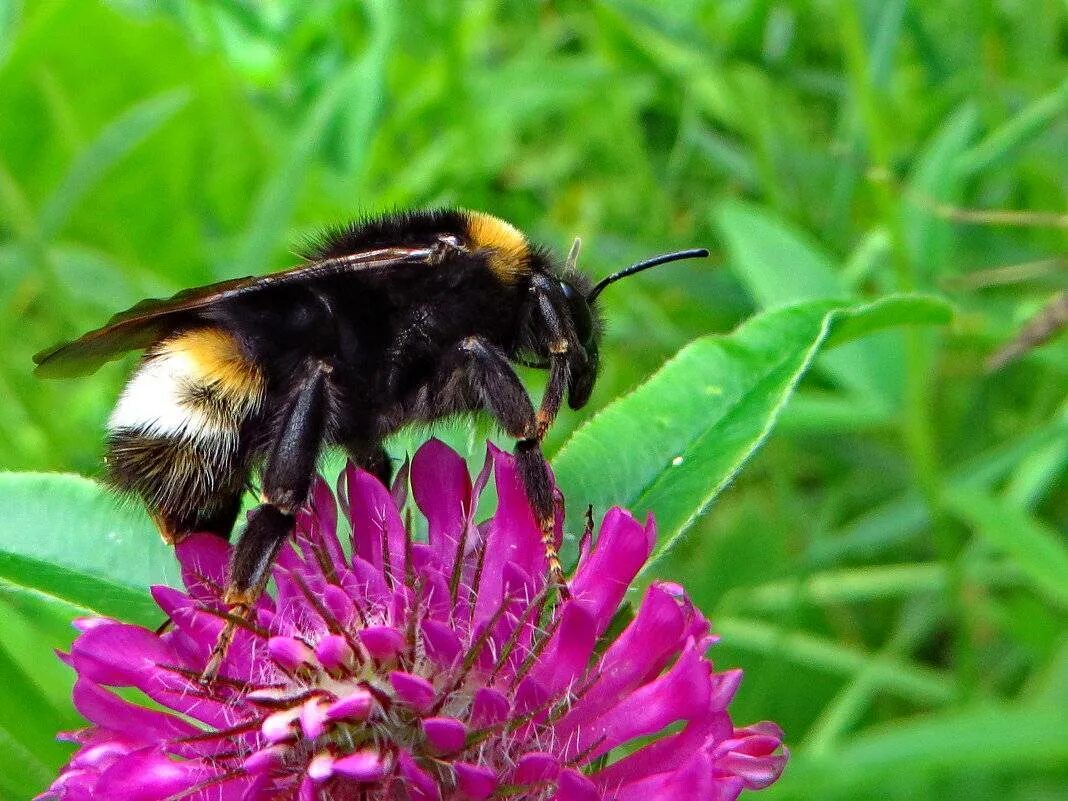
581, 302
513, 259
587, 324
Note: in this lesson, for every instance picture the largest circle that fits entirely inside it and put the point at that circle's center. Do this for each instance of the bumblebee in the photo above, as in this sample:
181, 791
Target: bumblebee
401, 319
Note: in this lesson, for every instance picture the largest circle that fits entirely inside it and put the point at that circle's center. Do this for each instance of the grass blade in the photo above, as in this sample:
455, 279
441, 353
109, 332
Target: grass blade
990, 737
1036, 547
1012, 136
921, 685
278, 196
116, 141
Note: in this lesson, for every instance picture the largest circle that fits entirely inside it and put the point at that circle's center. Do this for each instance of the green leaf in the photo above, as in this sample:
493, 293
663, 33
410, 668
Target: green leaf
1038, 475
779, 266
31, 627
67, 537
1035, 547
814, 410
357, 121
905, 516
672, 445
866, 584
918, 310
870, 254
28, 725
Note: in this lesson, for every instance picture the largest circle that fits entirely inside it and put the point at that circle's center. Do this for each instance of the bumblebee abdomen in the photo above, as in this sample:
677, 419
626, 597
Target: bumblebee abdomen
174, 437
194, 385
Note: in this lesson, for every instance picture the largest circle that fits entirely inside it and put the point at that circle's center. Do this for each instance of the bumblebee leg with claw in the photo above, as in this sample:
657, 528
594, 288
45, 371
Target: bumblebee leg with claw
535, 471
287, 479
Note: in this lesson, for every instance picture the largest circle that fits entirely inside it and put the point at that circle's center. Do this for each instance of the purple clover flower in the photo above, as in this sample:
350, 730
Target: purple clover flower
417, 670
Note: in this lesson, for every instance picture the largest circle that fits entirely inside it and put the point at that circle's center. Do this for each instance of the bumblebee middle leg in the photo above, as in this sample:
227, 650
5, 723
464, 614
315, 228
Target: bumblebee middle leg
488, 374
287, 479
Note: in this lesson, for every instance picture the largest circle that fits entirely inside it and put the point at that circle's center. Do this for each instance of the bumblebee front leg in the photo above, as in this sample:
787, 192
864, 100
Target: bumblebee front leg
287, 479
564, 352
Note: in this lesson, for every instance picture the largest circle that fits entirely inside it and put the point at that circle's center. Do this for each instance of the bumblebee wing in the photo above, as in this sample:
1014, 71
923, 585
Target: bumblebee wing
152, 319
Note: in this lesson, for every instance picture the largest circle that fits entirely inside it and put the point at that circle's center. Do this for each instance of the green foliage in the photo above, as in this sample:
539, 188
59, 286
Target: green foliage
688, 430
889, 568
68, 539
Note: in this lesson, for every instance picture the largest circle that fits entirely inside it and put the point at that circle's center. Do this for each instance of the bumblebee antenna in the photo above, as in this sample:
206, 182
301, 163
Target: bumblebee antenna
695, 253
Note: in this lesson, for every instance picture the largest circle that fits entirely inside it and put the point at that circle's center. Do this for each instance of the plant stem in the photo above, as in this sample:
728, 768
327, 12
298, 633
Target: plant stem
918, 430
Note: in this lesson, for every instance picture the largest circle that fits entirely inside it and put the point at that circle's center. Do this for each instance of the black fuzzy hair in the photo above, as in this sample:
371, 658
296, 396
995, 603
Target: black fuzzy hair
399, 228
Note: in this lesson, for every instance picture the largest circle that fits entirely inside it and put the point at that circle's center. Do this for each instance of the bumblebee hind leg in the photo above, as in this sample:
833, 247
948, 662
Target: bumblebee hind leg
287, 479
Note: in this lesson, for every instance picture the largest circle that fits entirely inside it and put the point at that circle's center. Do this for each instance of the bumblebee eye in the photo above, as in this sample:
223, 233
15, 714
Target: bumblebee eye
581, 317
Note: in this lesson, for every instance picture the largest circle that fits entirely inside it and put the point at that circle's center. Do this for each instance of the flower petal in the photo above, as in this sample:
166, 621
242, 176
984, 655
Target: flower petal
264, 760
640, 652
444, 735
563, 662
442, 489
474, 782
334, 652
489, 707
376, 525
140, 725
354, 707
752, 754
412, 690
418, 783
442, 644
366, 765
324, 513
321, 767
281, 725
573, 786
682, 693
382, 642
120, 654
666, 754
204, 559
148, 776
602, 579
536, 767
513, 535
340, 604
693, 780
313, 717
291, 654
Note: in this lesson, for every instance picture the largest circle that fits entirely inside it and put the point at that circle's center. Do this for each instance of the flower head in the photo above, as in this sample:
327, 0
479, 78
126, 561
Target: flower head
435, 669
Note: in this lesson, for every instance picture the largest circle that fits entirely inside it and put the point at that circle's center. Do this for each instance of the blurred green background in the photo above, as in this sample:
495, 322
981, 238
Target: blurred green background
874, 568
